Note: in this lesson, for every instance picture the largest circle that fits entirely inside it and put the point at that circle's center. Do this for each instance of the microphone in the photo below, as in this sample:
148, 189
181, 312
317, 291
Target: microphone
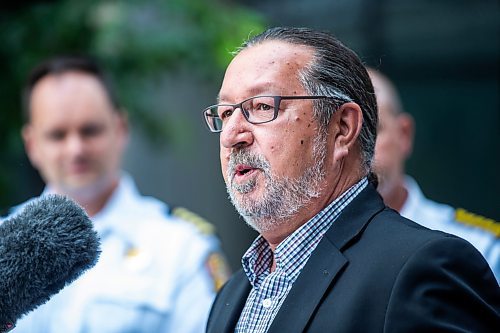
43, 248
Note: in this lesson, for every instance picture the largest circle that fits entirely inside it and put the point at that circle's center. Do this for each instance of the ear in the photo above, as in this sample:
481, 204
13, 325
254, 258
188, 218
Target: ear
29, 143
348, 120
407, 133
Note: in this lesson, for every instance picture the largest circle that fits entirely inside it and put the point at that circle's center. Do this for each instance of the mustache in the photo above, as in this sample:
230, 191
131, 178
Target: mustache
246, 157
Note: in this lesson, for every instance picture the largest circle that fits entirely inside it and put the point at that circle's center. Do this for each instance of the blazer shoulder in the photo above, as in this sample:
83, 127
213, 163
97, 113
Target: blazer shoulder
445, 274
391, 219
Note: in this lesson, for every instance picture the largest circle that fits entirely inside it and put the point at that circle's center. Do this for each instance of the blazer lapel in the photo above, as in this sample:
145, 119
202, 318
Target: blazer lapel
325, 263
308, 289
228, 308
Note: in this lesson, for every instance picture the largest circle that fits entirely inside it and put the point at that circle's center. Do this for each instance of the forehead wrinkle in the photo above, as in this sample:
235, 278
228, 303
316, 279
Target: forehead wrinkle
273, 65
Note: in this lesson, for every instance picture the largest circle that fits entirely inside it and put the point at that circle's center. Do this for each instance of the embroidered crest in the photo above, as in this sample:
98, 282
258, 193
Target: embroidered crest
218, 269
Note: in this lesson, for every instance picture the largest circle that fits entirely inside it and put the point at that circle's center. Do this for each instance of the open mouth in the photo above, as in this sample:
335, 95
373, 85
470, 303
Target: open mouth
242, 170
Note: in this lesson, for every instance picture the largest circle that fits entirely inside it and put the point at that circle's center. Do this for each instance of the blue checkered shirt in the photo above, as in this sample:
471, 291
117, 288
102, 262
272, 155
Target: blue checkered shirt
271, 288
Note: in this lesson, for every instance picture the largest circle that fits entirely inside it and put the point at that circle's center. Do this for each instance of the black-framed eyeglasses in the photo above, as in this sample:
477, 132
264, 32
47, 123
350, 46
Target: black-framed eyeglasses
256, 110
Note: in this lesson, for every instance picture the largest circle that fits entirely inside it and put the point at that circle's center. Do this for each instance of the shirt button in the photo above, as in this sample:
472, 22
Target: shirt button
267, 302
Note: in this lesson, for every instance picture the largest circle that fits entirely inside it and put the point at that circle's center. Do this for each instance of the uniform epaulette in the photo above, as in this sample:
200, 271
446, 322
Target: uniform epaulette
468, 218
200, 223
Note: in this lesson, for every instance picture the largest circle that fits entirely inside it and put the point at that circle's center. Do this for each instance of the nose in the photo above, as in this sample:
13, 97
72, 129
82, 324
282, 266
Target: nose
237, 131
75, 144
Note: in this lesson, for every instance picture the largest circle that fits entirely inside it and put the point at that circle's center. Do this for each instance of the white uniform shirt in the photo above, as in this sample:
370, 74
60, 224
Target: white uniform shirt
151, 276
441, 217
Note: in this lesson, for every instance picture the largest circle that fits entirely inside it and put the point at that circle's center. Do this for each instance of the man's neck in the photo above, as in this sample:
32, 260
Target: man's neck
93, 200
397, 197
276, 236
97, 203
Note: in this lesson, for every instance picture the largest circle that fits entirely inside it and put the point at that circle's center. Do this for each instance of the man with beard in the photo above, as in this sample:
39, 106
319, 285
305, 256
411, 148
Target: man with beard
297, 119
402, 193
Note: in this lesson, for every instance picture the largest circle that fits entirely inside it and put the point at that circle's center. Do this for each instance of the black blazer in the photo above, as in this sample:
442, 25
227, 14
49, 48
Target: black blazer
375, 271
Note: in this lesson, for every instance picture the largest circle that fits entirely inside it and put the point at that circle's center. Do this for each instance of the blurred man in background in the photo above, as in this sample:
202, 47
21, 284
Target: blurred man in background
402, 193
157, 272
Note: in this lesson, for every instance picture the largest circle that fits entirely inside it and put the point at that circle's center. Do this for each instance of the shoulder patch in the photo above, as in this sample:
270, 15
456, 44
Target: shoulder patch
218, 269
200, 223
471, 219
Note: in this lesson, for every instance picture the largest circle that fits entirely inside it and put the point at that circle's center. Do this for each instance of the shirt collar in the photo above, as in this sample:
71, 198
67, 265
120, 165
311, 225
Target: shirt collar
292, 253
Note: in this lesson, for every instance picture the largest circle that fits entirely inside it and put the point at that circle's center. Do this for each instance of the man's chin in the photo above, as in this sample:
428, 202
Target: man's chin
244, 187
243, 202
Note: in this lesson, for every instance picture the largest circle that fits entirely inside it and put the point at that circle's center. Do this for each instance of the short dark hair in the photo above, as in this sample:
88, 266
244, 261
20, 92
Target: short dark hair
62, 64
335, 71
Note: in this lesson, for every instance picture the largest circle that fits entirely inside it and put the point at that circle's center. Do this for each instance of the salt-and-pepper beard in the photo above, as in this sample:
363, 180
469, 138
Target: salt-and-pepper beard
282, 197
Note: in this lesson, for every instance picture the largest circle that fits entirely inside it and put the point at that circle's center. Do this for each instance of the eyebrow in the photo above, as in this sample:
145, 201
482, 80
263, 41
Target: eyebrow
268, 89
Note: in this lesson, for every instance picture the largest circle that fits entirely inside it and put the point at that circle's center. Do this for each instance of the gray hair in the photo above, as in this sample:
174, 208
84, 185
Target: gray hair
335, 71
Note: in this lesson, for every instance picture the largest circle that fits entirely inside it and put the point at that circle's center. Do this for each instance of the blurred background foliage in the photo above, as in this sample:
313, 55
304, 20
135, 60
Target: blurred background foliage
138, 42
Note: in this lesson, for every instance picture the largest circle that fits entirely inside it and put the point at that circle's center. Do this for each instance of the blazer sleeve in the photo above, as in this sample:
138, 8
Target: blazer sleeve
438, 290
